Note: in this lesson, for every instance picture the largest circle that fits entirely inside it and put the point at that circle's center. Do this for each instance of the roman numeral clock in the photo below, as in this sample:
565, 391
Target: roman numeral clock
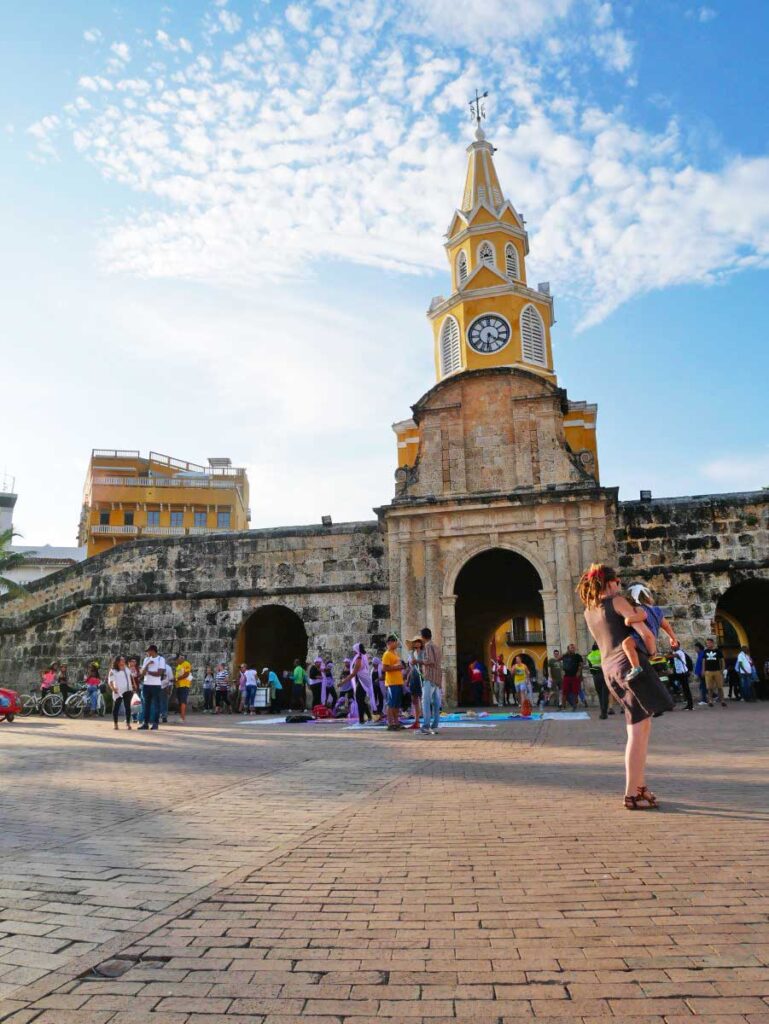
488, 333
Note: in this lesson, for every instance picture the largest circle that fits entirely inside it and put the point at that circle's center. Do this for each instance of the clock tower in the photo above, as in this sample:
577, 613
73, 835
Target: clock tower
492, 317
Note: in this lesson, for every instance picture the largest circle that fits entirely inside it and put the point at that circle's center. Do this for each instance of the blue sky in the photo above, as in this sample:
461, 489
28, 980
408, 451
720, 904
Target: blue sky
223, 225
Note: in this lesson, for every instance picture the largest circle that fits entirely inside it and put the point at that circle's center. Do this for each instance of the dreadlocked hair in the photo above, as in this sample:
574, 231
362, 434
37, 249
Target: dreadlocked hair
593, 582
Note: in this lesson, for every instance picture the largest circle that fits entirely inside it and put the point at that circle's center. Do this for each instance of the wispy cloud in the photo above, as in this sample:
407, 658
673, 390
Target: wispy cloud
745, 471
330, 134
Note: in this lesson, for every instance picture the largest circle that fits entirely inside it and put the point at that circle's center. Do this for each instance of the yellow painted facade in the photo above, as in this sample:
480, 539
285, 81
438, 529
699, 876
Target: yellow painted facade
492, 317
507, 645
128, 496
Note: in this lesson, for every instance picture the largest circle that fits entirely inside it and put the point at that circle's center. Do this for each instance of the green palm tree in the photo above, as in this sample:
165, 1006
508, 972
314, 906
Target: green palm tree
10, 560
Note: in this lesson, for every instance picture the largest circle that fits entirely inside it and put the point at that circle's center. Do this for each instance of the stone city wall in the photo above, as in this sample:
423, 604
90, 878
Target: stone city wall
194, 593
692, 550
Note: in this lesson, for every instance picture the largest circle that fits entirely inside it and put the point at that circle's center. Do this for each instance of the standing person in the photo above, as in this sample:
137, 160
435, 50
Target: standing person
183, 678
208, 690
93, 682
555, 674
316, 681
498, 673
699, 674
63, 681
681, 670
166, 690
571, 663
476, 682
298, 687
270, 679
152, 674
363, 688
713, 666
521, 679
240, 699
121, 683
747, 673
252, 681
222, 689
432, 682
328, 690
380, 690
393, 669
594, 664
642, 697
416, 647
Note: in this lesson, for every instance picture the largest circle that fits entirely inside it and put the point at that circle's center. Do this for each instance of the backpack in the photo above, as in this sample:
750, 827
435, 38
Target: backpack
689, 662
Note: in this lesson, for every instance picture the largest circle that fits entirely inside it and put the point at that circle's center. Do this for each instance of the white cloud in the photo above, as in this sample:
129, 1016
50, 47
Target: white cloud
92, 35
705, 14
259, 159
298, 17
746, 472
122, 52
230, 21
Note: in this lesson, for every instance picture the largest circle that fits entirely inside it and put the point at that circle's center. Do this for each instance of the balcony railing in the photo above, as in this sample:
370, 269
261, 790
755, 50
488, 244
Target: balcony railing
164, 531
523, 636
162, 481
115, 530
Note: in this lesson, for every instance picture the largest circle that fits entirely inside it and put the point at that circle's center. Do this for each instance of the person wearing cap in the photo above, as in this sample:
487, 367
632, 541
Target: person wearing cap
152, 674
183, 678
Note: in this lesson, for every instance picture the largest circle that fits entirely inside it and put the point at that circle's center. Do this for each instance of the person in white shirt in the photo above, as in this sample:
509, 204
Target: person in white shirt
120, 682
747, 672
152, 674
681, 670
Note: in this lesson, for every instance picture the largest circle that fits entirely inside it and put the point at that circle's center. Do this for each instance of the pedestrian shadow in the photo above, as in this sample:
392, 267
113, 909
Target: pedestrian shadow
709, 811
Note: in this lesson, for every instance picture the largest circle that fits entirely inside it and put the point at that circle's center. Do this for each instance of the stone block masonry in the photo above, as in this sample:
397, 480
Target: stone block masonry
195, 593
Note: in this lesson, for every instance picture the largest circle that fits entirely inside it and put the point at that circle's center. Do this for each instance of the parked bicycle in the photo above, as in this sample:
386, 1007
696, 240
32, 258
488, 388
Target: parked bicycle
37, 703
79, 704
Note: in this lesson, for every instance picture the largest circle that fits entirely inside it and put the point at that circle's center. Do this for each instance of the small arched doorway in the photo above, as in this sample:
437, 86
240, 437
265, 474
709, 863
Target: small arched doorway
272, 636
498, 610
742, 617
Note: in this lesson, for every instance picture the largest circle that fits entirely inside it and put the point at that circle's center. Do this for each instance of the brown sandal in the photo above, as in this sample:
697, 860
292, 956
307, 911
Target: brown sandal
632, 804
648, 796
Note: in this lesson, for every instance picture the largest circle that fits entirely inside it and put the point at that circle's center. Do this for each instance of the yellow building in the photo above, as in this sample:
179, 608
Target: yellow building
492, 316
127, 496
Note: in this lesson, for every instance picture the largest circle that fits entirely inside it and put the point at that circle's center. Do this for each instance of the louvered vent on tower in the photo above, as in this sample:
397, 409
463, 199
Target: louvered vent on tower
532, 337
486, 254
451, 359
511, 262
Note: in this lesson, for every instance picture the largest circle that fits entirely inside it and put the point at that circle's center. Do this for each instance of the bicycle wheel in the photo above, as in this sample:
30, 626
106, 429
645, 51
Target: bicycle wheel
75, 706
52, 705
28, 704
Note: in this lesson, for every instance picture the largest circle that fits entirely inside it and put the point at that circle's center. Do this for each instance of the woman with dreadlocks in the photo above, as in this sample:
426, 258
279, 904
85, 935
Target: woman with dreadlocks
642, 696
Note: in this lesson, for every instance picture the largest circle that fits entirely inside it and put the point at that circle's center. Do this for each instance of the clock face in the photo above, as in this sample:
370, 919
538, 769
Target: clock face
488, 333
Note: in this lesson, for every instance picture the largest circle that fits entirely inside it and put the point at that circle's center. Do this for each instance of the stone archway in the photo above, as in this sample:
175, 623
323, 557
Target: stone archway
742, 616
495, 586
271, 636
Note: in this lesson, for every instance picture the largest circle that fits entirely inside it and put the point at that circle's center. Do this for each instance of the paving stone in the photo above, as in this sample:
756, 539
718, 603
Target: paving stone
487, 877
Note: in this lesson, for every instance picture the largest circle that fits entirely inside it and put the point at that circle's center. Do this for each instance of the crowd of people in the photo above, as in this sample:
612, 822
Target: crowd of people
366, 688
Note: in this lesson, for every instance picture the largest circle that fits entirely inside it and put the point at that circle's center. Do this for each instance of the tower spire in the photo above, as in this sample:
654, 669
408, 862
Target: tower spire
481, 181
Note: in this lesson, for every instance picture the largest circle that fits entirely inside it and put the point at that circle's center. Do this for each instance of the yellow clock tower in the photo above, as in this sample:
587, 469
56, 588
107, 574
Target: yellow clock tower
492, 317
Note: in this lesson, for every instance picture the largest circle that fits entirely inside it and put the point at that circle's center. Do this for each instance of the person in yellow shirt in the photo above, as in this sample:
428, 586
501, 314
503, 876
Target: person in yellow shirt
183, 680
393, 667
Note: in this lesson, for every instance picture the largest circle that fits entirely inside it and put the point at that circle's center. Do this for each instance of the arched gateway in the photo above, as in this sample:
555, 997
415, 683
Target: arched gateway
272, 636
498, 610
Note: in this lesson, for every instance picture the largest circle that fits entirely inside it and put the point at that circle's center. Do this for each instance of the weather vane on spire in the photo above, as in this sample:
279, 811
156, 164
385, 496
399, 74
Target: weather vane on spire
478, 108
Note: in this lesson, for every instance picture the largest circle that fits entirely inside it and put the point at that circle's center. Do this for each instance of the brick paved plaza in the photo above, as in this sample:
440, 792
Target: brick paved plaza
263, 875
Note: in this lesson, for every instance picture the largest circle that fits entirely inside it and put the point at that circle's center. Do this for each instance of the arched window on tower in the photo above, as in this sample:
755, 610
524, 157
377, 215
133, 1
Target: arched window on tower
461, 268
451, 358
533, 337
486, 254
512, 267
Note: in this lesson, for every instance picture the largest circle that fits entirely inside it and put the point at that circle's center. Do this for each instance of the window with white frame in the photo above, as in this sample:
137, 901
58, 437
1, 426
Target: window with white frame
451, 358
461, 269
486, 254
512, 268
533, 337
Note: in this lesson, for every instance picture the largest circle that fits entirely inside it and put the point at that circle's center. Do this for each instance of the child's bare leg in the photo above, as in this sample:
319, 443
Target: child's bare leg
648, 639
631, 651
